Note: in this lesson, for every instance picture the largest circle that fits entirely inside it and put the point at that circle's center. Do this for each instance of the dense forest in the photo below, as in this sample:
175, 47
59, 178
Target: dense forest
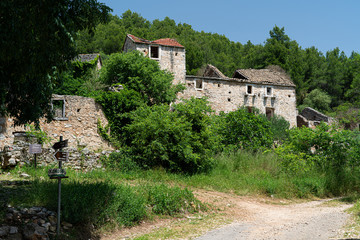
328, 82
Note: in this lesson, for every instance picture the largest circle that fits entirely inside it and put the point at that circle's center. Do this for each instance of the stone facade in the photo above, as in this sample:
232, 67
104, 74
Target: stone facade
76, 119
169, 53
229, 94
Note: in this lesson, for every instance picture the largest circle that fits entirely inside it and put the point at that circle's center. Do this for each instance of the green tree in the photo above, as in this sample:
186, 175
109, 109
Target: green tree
142, 75
243, 130
37, 38
318, 100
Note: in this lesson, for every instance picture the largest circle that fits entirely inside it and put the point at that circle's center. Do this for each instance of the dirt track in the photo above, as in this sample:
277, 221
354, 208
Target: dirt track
259, 218
310, 220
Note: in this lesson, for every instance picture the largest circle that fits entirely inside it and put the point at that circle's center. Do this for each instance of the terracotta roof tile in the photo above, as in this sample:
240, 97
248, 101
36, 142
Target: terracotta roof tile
163, 42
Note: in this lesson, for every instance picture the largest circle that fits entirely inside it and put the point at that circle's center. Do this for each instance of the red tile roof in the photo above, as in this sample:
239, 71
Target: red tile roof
164, 41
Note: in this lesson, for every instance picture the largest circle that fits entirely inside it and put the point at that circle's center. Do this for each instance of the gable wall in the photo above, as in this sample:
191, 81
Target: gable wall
227, 96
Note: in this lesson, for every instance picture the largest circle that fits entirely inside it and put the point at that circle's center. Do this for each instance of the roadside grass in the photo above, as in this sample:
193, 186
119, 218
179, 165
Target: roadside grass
109, 199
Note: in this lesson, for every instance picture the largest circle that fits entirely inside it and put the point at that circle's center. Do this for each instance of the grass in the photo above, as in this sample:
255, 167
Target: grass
111, 199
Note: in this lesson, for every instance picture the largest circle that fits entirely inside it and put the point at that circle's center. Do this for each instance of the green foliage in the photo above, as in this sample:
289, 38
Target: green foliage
243, 130
318, 100
80, 78
348, 114
116, 107
279, 128
327, 150
121, 161
172, 200
41, 136
140, 74
39, 35
159, 137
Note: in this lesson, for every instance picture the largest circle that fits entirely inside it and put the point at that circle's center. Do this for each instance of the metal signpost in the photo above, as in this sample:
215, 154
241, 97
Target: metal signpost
59, 173
35, 149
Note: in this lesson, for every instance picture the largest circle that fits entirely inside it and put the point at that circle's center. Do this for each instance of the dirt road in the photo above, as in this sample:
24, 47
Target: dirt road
261, 220
250, 218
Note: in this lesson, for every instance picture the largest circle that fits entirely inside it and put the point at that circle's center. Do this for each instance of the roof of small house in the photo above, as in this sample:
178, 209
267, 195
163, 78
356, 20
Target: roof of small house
212, 71
87, 57
163, 42
263, 76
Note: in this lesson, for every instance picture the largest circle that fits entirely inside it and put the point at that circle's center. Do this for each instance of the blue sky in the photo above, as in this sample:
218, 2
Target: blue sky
325, 24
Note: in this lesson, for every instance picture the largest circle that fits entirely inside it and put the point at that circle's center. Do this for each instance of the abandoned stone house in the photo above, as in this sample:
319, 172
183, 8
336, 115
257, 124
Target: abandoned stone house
168, 52
269, 90
76, 119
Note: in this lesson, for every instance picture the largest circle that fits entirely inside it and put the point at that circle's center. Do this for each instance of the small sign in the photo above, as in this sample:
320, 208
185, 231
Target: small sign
56, 172
61, 156
60, 144
35, 148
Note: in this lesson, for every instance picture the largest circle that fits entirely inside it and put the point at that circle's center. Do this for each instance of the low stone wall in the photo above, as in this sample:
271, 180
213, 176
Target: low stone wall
80, 158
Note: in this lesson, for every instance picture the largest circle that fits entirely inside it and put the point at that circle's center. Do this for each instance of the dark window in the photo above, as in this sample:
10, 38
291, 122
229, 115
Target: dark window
199, 83
268, 91
249, 90
154, 52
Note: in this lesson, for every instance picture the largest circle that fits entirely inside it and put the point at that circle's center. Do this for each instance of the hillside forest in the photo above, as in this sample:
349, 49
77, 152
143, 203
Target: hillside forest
328, 82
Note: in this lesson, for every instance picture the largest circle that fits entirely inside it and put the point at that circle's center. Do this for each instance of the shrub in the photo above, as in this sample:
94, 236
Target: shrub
120, 161
160, 137
243, 130
172, 200
279, 128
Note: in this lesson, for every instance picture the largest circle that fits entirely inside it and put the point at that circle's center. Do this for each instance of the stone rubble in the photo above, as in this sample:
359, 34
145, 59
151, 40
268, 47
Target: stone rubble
35, 223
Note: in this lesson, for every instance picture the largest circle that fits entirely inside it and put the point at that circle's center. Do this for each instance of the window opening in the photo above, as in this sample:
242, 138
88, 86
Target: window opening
58, 109
268, 91
249, 89
154, 52
199, 83
229, 100
269, 113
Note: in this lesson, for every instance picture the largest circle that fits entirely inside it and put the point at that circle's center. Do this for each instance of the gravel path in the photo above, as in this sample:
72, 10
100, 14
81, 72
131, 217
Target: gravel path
311, 220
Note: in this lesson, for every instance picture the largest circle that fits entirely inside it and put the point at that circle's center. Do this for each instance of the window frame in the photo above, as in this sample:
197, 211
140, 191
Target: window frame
158, 52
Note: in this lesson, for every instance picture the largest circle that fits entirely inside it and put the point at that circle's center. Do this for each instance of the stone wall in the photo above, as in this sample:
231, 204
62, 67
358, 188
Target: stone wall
78, 124
80, 158
227, 95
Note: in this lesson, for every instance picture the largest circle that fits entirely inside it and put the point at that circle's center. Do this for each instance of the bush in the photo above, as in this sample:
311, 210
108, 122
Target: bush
163, 138
326, 150
279, 128
170, 201
120, 161
243, 130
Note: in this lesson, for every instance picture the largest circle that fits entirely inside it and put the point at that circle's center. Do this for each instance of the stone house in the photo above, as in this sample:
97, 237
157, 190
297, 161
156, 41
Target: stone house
168, 52
269, 90
75, 118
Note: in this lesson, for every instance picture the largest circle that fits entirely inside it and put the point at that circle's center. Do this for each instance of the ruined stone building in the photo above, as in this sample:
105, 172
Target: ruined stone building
76, 119
168, 52
269, 90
